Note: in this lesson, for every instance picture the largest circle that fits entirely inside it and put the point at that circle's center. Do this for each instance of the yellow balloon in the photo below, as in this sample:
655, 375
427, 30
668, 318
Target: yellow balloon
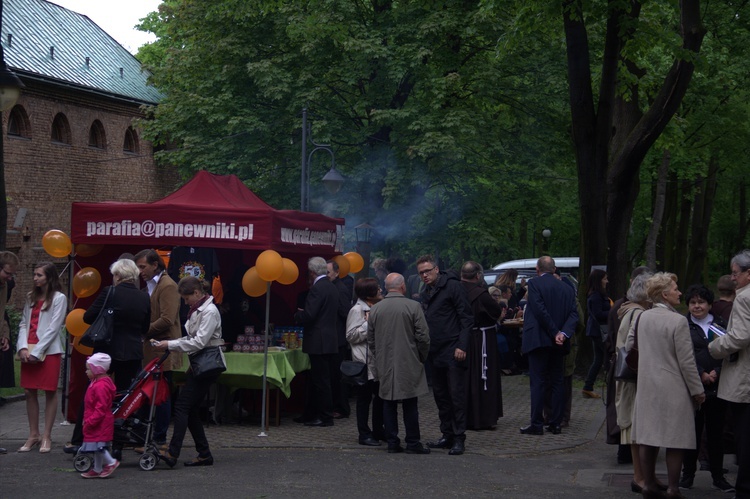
56, 243
86, 282
87, 250
74, 322
343, 265
290, 273
356, 262
81, 348
252, 284
269, 265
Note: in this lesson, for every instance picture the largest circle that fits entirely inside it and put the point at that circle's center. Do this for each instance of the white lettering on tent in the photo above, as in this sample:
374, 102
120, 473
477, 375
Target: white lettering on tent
148, 228
308, 237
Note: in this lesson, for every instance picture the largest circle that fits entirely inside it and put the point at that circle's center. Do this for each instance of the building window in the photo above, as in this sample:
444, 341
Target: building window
97, 138
130, 145
18, 123
61, 130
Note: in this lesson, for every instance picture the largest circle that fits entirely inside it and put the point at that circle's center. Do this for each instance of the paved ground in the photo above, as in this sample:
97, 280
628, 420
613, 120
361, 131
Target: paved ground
293, 460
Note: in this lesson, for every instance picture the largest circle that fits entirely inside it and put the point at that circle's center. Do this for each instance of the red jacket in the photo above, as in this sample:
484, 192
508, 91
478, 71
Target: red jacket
98, 421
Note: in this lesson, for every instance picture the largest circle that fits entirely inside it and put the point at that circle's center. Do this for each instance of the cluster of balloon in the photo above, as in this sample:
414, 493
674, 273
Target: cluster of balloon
269, 267
86, 282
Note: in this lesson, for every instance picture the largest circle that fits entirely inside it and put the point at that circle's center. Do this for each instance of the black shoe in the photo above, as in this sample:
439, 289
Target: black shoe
301, 420
722, 485
634, 487
200, 461
417, 449
554, 429
532, 430
3, 450
457, 449
443, 443
168, 458
395, 450
369, 441
70, 448
379, 436
686, 482
318, 422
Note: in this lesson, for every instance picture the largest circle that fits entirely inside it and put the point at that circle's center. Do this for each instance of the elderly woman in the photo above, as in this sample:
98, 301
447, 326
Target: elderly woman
368, 294
669, 388
637, 302
131, 320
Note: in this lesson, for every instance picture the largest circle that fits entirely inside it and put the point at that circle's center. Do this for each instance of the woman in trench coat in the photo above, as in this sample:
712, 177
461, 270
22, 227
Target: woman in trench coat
669, 388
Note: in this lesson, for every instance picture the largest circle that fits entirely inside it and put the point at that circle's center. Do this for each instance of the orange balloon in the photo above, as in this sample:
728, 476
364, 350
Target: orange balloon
56, 243
86, 282
343, 265
252, 284
74, 322
356, 262
290, 273
81, 348
269, 265
87, 250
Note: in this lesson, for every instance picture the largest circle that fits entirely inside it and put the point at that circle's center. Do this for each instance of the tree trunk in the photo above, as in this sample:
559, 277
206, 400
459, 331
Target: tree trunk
702, 208
659, 204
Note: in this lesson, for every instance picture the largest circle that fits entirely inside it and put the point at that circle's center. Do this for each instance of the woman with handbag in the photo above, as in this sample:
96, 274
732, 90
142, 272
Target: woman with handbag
669, 388
368, 294
203, 345
597, 305
40, 351
131, 318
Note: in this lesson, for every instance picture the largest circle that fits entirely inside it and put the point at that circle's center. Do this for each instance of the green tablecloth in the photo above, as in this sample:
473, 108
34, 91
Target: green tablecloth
245, 370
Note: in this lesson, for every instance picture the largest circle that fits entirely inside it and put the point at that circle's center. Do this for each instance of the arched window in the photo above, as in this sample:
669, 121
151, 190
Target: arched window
61, 130
130, 145
18, 123
97, 137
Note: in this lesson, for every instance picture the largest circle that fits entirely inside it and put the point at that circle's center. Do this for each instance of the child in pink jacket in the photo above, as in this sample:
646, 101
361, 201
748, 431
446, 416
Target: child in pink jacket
98, 421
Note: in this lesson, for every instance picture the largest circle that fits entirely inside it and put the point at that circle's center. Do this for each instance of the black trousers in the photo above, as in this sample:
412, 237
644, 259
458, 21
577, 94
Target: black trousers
546, 369
187, 415
340, 391
319, 403
366, 394
741, 417
411, 422
711, 414
449, 387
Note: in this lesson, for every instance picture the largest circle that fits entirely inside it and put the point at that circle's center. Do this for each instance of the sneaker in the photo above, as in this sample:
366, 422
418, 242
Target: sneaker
90, 474
109, 469
686, 482
722, 485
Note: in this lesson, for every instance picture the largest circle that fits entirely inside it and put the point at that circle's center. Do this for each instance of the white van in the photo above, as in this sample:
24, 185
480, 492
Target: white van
527, 268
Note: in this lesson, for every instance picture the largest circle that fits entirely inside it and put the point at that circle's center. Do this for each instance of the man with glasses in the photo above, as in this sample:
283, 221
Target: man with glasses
8, 265
734, 348
449, 317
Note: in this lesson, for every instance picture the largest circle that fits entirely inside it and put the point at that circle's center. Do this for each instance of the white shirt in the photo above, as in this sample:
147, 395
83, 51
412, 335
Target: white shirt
151, 284
703, 323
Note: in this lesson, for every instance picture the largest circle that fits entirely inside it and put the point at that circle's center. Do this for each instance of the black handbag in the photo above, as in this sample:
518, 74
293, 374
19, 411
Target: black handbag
626, 363
354, 372
207, 363
101, 330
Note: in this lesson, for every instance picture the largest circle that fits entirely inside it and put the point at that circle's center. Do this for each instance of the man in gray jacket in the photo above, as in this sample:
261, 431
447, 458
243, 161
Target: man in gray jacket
399, 341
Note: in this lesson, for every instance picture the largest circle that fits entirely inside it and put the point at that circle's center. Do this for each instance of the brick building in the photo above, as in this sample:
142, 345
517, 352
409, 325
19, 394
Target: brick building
72, 136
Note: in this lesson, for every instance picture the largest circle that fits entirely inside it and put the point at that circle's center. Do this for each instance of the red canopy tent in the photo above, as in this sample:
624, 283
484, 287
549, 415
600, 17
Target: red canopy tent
215, 211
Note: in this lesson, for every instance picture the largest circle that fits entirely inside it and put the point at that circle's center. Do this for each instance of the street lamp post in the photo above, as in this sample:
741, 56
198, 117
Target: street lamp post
10, 90
546, 234
363, 233
332, 180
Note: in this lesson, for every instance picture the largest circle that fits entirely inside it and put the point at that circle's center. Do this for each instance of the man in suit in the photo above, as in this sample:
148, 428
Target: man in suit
320, 319
340, 391
165, 325
399, 342
549, 322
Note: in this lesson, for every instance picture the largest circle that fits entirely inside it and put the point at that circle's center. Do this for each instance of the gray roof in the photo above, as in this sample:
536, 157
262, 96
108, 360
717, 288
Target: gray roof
36, 25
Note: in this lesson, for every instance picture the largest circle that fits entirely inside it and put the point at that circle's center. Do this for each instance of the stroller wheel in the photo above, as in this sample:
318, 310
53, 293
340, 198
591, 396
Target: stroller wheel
148, 461
83, 462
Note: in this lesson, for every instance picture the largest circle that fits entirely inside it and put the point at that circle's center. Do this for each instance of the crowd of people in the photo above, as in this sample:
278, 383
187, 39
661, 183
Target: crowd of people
444, 327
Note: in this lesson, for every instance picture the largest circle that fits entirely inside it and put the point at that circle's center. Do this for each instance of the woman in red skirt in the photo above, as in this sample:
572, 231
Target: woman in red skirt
40, 351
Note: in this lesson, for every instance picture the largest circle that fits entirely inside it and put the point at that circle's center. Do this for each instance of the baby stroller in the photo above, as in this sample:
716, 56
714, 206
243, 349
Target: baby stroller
134, 427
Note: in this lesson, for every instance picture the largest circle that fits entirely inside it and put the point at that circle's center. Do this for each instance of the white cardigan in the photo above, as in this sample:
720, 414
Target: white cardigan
48, 329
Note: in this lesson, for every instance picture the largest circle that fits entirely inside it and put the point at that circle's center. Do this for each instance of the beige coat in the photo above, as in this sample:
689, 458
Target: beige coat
165, 321
625, 390
356, 335
399, 341
667, 381
735, 376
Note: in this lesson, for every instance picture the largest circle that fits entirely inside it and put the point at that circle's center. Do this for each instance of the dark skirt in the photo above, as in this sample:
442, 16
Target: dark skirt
485, 397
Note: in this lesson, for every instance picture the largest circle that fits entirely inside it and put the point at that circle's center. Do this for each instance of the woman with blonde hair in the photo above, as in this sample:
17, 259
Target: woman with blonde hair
669, 388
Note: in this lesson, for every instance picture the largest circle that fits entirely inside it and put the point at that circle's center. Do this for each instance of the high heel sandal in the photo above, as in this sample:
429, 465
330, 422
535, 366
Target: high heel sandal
30, 444
46, 445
